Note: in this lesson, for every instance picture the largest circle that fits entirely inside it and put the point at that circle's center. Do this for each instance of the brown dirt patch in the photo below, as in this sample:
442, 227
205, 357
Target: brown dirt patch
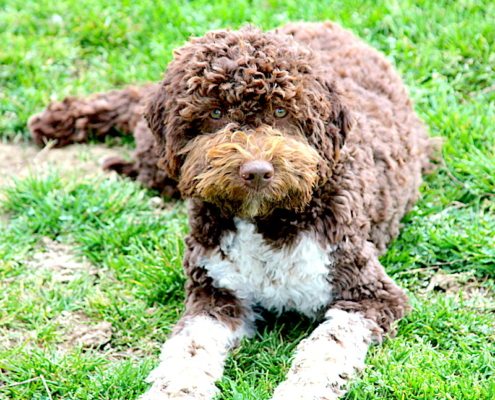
80, 330
58, 259
21, 160
52, 263
11, 338
465, 283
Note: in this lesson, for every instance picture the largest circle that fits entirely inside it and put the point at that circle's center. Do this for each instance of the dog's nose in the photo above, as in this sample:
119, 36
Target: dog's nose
257, 173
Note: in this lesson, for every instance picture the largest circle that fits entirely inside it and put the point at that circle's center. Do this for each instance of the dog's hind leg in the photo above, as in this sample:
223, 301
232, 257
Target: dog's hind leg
73, 119
144, 167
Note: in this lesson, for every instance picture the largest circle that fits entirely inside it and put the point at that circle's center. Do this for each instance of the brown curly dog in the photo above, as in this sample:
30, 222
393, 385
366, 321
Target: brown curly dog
299, 152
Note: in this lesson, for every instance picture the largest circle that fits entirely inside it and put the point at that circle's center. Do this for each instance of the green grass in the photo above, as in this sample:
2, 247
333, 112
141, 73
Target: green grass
445, 348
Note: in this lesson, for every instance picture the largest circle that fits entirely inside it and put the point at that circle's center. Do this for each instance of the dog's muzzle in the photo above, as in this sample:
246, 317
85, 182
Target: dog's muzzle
250, 173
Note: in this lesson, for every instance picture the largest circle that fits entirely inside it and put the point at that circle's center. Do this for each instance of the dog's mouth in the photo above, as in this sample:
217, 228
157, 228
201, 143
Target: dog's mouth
249, 174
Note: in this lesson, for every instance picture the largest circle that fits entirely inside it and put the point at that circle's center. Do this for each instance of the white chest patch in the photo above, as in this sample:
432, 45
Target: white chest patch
294, 277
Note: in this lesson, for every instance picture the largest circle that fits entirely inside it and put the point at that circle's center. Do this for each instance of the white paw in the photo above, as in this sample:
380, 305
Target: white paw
175, 381
181, 375
184, 388
305, 391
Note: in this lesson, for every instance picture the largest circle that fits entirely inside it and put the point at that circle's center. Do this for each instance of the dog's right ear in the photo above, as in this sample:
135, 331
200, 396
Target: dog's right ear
162, 117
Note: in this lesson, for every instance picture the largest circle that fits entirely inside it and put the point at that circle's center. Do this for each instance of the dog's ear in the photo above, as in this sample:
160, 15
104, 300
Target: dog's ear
159, 112
343, 119
164, 111
154, 113
333, 123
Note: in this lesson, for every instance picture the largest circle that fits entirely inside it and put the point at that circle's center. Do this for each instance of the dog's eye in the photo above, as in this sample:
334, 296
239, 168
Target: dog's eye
216, 113
280, 113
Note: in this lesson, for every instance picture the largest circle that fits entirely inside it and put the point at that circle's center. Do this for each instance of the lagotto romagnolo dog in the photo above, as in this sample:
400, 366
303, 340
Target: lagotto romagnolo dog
299, 152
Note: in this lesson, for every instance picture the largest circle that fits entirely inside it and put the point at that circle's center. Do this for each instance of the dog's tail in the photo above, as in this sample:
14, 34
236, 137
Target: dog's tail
117, 112
74, 119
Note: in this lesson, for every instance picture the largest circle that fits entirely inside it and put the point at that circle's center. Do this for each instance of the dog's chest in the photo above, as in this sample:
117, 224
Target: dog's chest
293, 277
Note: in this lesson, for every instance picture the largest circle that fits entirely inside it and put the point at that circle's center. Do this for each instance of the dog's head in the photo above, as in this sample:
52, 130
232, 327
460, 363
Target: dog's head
247, 120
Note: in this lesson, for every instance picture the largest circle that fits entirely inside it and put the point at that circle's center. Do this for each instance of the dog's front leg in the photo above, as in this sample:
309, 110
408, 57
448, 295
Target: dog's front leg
192, 360
328, 358
214, 321
367, 304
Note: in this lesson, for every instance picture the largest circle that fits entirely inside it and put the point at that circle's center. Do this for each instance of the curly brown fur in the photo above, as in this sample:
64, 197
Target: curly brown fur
75, 120
338, 156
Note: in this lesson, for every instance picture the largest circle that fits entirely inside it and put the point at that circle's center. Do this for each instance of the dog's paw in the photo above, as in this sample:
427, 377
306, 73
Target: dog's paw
186, 385
309, 391
180, 382
161, 391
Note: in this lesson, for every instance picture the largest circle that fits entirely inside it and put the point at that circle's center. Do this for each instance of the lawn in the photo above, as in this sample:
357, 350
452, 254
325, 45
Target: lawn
90, 264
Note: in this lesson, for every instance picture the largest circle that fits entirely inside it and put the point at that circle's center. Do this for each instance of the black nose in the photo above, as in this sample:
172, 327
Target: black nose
257, 173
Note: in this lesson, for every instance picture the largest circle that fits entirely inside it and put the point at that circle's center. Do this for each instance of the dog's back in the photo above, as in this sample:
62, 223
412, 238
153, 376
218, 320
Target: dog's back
388, 136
